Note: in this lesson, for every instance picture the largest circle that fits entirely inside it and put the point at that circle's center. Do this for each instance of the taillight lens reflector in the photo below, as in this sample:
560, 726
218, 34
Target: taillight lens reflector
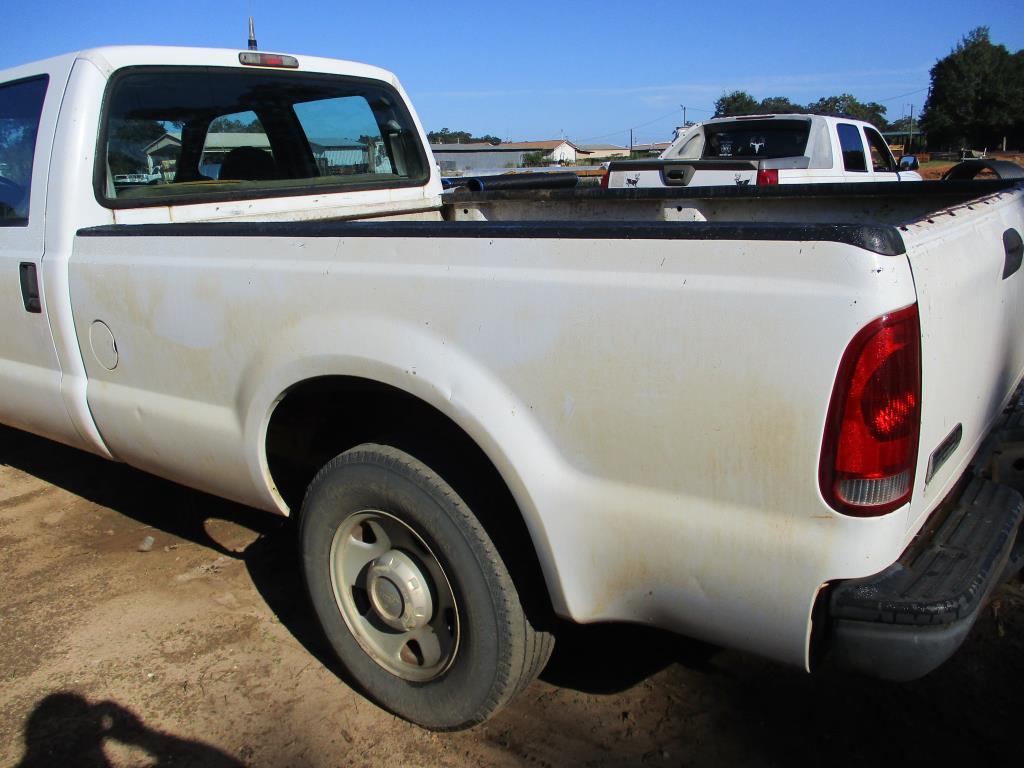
768, 176
869, 452
604, 180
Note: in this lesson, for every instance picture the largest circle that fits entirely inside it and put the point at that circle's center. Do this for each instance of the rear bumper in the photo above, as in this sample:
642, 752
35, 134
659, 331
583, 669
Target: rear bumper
904, 622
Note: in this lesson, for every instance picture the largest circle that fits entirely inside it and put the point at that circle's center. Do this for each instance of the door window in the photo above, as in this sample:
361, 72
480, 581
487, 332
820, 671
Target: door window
21, 104
881, 158
853, 148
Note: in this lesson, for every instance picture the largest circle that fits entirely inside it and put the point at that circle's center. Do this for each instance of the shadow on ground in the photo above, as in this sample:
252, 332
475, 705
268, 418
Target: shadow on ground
582, 660
271, 559
611, 658
65, 729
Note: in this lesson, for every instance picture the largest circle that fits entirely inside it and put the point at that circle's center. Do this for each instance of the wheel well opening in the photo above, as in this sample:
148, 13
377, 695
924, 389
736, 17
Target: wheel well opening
323, 417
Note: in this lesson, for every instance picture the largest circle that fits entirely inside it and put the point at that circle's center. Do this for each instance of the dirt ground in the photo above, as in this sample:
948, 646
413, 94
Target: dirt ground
202, 652
933, 170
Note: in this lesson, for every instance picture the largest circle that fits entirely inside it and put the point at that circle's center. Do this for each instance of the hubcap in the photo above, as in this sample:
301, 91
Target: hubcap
394, 595
399, 592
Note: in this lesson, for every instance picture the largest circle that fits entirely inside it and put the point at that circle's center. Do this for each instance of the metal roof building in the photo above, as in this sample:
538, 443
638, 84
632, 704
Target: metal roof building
454, 158
605, 150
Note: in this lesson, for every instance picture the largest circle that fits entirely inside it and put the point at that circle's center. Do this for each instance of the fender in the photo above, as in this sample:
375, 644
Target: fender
421, 363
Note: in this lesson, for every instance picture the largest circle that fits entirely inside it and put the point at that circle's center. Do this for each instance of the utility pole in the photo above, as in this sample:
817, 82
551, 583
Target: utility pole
630, 142
910, 133
684, 113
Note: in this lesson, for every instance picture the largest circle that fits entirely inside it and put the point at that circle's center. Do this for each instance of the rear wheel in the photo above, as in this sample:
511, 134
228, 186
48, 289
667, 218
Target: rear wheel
411, 592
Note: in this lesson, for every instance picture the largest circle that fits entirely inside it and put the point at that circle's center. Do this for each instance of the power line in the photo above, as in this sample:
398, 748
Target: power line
911, 93
655, 120
603, 135
644, 125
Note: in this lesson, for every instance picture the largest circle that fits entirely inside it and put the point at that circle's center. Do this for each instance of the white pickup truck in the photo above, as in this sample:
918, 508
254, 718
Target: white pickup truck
770, 418
763, 150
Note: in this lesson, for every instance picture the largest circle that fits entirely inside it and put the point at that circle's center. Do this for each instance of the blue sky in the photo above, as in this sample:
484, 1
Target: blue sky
533, 70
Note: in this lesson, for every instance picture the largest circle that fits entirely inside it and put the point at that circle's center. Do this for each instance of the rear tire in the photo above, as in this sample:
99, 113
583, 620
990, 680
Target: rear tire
411, 592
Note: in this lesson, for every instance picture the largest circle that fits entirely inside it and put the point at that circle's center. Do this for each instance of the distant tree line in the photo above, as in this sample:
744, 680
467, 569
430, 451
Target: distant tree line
444, 136
233, 125
975, 100
742, 103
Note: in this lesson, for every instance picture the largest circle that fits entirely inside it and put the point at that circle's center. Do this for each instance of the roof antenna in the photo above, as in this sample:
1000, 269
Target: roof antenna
252, 35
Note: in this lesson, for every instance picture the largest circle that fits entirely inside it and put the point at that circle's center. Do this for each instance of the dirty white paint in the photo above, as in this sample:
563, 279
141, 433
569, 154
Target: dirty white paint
657, 440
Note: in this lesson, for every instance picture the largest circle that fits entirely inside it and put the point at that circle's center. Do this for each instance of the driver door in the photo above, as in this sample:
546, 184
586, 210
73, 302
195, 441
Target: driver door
30, 375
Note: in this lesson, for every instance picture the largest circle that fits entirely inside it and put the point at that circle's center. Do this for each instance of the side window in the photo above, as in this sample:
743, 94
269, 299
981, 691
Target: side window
852, 146
881, 157
344, 136
21, 104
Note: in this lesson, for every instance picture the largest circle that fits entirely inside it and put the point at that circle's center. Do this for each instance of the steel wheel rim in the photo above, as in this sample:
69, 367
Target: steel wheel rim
394, 595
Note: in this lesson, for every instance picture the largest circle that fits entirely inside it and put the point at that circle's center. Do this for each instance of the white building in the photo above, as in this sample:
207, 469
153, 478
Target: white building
463, 158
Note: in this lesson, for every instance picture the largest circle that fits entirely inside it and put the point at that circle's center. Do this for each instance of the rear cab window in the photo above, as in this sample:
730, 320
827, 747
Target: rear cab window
852, 147
184, 135
21, 104
756, 139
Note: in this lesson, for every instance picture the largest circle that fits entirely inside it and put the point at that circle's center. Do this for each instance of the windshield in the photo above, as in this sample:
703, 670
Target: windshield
750, 139
192, 134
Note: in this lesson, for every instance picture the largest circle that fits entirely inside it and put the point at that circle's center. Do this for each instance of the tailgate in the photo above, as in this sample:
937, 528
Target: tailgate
681, 173
966, 264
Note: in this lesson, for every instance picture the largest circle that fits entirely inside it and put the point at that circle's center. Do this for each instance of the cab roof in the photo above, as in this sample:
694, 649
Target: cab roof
110, 58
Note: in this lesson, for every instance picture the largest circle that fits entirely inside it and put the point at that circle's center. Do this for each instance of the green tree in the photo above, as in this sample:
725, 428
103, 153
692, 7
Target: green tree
128, 141
976, 97
736, 103
17, 140
742, 103
848, 105
532, 159
779, 105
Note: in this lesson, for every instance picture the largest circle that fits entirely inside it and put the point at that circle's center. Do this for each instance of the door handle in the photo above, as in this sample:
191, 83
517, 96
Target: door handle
677, 175
1014, 252
30, 287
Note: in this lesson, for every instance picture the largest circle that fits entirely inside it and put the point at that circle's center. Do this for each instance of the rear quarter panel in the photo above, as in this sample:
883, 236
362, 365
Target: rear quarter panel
656, 407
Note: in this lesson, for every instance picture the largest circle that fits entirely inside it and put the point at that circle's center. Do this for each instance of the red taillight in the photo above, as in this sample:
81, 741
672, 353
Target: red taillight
869, 453
768, 176
604, 180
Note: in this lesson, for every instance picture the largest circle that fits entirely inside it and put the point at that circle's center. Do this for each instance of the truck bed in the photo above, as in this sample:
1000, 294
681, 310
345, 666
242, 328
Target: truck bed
877, 203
